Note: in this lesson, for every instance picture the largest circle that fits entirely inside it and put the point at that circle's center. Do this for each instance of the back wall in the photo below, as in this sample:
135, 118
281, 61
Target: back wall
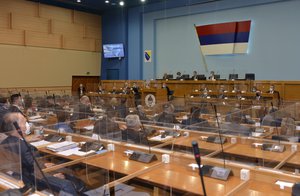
273, 45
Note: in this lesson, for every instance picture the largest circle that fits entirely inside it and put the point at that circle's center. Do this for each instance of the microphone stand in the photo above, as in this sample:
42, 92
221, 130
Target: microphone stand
198, 161
16, 125
219, 133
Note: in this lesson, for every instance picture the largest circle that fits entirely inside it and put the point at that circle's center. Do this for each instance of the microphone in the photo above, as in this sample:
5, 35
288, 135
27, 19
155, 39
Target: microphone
219, 132
16, 125
198, 160
144, 131
196, 152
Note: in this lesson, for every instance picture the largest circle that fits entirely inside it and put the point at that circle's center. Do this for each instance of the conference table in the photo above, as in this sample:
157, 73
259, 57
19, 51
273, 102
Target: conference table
177, 176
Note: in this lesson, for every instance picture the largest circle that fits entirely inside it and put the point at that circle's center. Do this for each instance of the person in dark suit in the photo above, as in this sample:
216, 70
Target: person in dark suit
167, 117
81, 90
276, 95
17, 104
195, 76
134, 132
194, 122
83, 109
169, 92
14, 144
106, 128
179, 76
4, 107
233, 127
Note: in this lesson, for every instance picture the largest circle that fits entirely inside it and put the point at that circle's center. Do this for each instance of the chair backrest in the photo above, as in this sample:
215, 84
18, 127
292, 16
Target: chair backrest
250, 76
233, 76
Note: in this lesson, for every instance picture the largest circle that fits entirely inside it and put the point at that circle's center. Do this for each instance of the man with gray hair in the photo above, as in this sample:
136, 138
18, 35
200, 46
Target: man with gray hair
134, 132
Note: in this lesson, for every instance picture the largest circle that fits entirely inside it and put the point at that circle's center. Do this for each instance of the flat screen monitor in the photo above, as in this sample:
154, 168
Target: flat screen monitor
113, 50
250, 76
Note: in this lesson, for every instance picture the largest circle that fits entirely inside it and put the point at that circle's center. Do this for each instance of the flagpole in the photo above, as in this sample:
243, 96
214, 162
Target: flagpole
202, 56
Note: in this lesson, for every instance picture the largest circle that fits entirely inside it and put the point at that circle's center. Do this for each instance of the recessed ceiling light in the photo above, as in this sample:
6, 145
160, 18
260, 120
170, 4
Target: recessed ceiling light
122, 3
106, 1
78, 1
143, 1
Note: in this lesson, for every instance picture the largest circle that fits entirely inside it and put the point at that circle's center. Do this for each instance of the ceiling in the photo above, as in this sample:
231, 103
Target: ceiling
95, 6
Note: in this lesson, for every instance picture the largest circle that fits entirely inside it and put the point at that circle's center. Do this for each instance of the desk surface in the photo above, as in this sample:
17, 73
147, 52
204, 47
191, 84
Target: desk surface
118, 161
247, 150
179, 176
187, 142
261, 188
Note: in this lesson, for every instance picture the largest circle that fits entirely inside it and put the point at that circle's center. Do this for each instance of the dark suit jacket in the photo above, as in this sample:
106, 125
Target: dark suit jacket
70, 185
133, 136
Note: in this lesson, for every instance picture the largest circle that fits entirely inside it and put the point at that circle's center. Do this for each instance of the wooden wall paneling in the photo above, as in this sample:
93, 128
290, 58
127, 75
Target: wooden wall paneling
75, 43
87, 19
77, 80
98, 45
292, 91
67, 29
43, 39
4, 20
19, 6
30, 23
92, 32
57, 13
12, 36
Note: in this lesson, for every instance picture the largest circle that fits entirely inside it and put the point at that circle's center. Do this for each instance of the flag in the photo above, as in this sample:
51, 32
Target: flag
224, 38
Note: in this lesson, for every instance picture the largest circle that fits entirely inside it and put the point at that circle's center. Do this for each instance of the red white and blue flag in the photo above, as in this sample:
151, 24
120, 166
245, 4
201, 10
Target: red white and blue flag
224, 38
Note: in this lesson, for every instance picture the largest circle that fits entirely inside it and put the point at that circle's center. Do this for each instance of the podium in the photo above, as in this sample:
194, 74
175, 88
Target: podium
153, 96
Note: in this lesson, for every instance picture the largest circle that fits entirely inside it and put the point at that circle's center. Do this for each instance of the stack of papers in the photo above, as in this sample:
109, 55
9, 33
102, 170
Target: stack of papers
40, 143
58, 147
89, 128
34, 117
159, 138
75, 151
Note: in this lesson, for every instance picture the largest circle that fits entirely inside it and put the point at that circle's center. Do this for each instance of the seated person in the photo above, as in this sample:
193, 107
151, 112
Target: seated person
4, 107
83, 110
270, 119
212, 76
195, 76
58, 182
134, 133
167, 117
141, 113
165, 76
233, 127
179, 76
62, 125
288, 126
16, 104
194, 121
106, 128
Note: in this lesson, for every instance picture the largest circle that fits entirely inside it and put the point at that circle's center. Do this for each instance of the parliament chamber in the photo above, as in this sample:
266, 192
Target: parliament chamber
149, 97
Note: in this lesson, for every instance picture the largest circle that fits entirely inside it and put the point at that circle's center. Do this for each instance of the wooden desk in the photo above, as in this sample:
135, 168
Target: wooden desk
117, 161
259, 188
179, 176
295, 159
248, 151
187, 142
